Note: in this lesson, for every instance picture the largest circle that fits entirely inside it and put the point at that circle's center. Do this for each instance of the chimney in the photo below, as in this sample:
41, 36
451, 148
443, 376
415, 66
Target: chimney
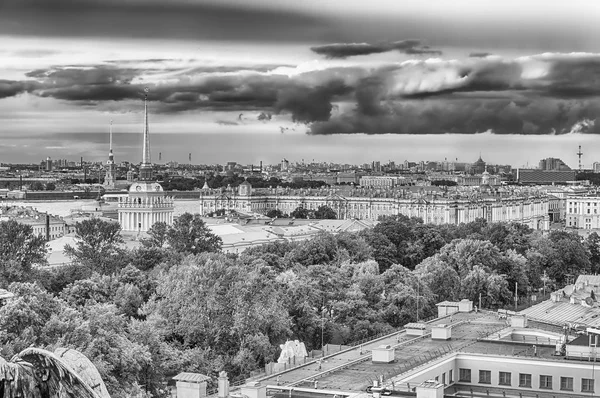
223, 382
47, 227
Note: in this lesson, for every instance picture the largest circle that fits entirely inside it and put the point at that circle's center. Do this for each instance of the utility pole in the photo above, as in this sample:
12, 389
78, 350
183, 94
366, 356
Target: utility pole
417, 301
516, 295
322, 326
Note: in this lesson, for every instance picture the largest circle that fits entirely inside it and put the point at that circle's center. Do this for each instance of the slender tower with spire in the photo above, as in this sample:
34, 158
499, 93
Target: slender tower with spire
111, 175
146, 203
146, 166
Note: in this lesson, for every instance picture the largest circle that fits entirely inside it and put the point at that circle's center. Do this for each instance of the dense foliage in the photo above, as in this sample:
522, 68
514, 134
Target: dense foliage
177, 303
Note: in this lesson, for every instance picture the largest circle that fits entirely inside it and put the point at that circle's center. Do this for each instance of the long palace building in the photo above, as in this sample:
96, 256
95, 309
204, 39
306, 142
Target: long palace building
360, 203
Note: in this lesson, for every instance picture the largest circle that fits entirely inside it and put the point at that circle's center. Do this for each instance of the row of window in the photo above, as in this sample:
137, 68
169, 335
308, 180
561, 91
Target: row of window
588, 203
505, 379
574, 211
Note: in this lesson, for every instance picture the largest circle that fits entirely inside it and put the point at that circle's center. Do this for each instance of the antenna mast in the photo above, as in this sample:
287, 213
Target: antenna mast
579, 154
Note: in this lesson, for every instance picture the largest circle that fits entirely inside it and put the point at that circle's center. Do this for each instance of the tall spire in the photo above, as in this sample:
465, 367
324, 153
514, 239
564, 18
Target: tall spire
110, 152
146, 166
146, 148
111, 172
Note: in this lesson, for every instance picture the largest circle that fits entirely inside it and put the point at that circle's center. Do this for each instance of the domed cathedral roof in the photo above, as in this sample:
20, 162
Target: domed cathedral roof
479, 161
145, 187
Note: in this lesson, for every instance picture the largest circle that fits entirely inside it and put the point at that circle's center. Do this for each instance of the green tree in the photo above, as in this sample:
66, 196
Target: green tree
300, 212
97, 245
275, 213
157, 235
37, 186
20, 250
441, 278
325, 213
592, 244
23, 318
50, 186
384, 251
189, 234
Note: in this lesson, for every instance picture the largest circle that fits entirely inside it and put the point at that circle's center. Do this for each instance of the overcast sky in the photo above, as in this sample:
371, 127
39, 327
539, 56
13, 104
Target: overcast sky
330, 80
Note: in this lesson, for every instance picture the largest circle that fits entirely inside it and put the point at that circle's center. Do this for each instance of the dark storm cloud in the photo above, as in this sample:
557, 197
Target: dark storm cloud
541, 94
309, 104
345, 50
481, 54
543, 116
548, 94
147, 19
10, 88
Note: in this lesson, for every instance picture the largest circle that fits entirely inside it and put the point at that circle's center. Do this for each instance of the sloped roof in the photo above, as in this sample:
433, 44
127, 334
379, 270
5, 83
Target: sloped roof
448, 303
561, 312
191, 377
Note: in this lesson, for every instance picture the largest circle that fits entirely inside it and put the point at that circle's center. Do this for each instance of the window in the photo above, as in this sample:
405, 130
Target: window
444, 378
504, 378
566, 383
524, 380
587, 385
545, 382
450, 381
485, 376
464, 375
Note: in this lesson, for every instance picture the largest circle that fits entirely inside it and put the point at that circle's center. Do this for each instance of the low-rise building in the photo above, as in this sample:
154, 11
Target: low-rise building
42, 224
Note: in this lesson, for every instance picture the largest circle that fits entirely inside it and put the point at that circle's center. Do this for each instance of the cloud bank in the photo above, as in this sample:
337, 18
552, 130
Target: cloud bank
551, 93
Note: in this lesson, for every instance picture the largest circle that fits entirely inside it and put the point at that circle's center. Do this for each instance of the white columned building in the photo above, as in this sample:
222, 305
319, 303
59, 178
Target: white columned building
146, 203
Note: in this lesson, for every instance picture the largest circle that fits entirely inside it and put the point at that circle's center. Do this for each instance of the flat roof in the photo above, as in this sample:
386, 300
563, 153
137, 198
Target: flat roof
352, 370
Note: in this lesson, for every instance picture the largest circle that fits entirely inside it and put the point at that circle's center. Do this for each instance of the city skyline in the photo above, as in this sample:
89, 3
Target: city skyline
272, 80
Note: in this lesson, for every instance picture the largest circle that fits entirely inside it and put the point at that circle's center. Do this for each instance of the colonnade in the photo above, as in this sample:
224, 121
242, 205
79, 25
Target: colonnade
143, 221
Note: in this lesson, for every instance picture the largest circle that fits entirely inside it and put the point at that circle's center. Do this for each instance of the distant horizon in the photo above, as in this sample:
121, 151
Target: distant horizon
205, 148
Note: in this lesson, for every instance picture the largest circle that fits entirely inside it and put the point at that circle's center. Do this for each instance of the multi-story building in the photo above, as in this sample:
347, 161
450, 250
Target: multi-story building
370, 204
553, 164
583, 212
533, 176
43, 224
546, 351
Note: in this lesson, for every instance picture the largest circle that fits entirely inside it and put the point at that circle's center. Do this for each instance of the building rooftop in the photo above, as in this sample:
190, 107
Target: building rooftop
191, 377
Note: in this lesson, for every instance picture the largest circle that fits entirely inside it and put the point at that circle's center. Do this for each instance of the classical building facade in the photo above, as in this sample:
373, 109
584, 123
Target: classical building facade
146, 203
583, 212
369, 204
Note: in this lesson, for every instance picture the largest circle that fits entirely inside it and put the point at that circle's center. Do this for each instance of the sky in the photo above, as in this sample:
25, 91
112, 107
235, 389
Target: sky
330, 80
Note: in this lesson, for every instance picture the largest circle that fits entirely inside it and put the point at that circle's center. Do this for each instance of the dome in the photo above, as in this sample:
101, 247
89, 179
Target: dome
145, 187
